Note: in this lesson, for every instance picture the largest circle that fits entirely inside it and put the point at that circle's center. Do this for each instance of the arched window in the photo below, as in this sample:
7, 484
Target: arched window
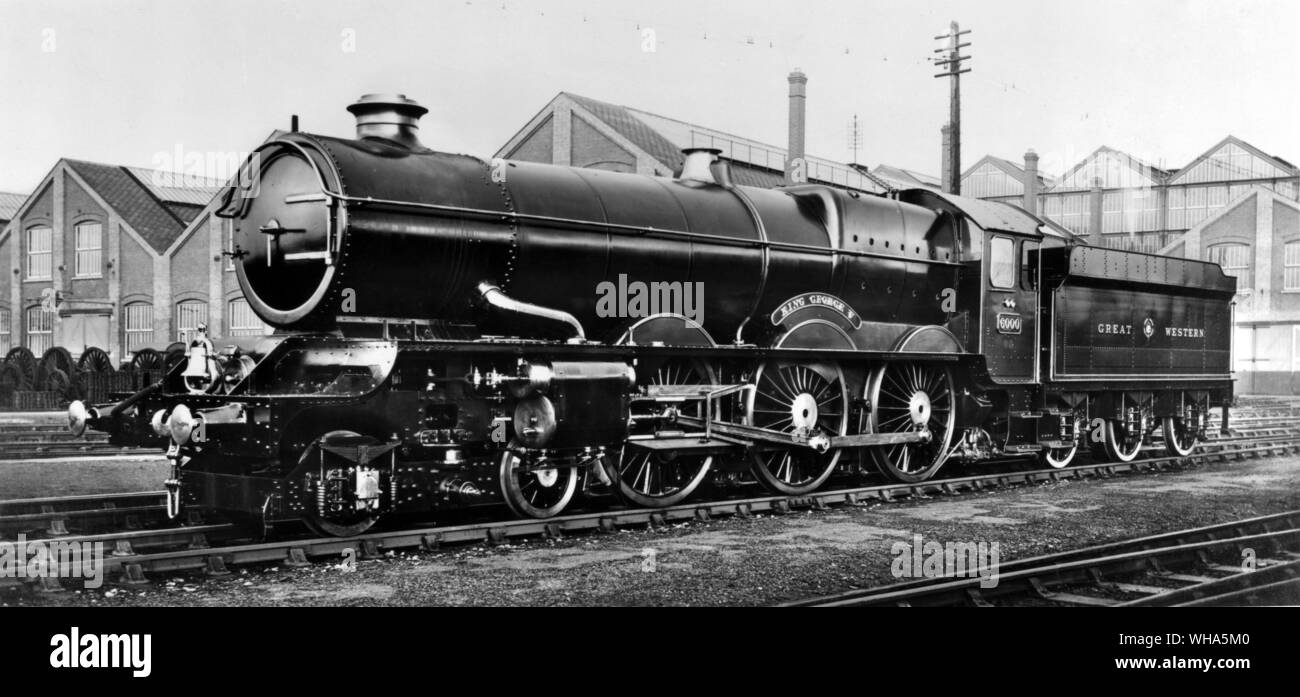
1234, 257
40, 253
1291, 267
137, 326
189, 315
6, 331
90, 244
40, 330
243, 321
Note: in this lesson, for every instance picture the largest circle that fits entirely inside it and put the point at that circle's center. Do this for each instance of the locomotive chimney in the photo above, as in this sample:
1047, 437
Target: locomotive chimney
700, 165
389, 116
1031, 182
798, 100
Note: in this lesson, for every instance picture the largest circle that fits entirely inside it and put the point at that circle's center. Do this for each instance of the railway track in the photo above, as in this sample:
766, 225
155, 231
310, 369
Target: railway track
58, 516
48, 440
214, 548
1200, 566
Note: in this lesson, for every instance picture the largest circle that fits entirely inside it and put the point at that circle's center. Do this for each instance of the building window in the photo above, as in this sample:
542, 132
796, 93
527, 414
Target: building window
1175, 204
6, 331
1291, 267
189, 315
1112, 212
1235, 260
40, 330
1071, 211
1295, 347
138, 326
40, 253
90, 242
245, 322
990, 181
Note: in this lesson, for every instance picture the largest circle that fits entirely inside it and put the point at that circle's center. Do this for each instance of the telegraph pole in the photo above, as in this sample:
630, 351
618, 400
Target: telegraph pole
953, 61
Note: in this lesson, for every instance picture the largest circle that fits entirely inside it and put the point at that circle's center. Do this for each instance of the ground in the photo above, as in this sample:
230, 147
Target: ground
734, 561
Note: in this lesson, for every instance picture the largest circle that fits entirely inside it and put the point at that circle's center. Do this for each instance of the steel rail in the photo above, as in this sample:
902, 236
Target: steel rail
1063, 567
59, 516
18, 512
133, 567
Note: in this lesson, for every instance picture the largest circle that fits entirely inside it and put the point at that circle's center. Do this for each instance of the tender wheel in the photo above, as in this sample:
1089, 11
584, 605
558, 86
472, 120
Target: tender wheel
340, 523
533, 492
654, 480
907, 397
1179, 440
797, 399
1120, 444
1058, 458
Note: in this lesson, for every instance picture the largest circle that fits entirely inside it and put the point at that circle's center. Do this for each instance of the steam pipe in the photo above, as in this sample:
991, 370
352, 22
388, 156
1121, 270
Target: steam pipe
498, 299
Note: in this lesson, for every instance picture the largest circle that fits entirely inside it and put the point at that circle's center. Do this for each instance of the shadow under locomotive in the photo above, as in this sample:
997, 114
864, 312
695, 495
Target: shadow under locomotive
443, 348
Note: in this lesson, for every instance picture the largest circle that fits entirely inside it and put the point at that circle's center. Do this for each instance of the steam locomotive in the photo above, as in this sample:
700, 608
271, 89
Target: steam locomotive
454, 332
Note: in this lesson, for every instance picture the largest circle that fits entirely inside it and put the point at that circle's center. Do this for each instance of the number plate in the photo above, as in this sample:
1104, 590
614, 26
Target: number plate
1008, 323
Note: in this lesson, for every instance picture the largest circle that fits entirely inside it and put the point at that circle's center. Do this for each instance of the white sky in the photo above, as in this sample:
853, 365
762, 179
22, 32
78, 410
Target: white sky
1162, 79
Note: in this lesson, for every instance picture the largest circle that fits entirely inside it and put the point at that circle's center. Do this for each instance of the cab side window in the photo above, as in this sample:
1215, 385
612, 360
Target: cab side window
1002, 262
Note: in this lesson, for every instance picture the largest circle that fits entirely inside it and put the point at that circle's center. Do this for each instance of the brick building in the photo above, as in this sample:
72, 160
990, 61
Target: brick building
121, 258
9, 205
584, 132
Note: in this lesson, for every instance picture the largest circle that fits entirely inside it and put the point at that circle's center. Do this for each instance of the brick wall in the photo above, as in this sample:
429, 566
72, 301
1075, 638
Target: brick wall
537, 146
589, 148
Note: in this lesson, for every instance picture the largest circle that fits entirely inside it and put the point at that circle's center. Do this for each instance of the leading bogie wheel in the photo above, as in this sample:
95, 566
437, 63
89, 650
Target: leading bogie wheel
806, 401
532, 489
320, 517
912, 398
